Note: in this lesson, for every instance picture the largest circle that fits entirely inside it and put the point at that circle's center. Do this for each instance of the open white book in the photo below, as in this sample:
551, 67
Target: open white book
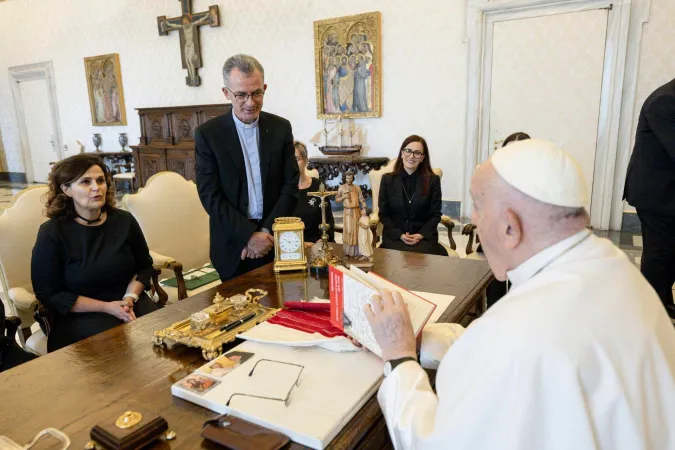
351, 290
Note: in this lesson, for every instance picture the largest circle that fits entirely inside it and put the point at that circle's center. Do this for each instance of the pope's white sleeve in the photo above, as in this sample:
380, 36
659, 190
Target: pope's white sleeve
408, 404
436, 340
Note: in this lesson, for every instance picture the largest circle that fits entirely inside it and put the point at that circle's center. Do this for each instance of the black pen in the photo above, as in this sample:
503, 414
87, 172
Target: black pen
236, 323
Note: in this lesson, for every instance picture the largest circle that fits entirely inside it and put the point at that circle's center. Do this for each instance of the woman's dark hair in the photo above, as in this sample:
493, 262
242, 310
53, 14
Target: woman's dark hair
68, 171
518, 136
424, 169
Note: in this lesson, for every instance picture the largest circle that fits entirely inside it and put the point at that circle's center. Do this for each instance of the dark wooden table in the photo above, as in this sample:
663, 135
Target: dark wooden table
78, 386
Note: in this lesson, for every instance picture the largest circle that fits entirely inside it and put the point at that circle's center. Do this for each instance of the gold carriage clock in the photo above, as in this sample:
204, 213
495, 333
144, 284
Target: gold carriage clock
289, 244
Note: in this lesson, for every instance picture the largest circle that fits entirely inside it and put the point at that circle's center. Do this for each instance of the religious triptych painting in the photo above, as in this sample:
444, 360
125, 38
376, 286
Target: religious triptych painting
347, 57
106, 97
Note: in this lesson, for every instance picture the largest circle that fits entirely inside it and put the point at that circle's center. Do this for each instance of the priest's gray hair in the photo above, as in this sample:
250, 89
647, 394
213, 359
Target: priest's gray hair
245, 63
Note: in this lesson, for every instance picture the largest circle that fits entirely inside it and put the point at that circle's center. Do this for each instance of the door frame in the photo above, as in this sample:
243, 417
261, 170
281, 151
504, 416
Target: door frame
481, 17
35, 72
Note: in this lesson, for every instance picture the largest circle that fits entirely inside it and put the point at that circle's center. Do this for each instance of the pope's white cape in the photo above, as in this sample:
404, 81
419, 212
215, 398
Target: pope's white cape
579, 356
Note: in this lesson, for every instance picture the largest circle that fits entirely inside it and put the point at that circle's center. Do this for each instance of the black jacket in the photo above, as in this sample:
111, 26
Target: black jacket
223, 188
650, 181
425, 210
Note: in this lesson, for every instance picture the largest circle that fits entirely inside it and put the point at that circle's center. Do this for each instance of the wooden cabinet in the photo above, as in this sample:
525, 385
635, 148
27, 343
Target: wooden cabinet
168, 139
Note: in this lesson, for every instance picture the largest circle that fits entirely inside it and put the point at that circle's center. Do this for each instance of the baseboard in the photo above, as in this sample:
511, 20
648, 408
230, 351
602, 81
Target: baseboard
631, 223
13, 177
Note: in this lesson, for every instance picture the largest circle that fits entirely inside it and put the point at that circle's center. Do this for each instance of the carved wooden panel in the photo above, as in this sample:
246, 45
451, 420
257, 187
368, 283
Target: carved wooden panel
151, 162
183, 124
182, 162
157, 131
210, 112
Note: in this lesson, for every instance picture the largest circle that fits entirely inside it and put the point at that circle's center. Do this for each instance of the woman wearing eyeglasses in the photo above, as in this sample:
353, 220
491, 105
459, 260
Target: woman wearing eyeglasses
410, 201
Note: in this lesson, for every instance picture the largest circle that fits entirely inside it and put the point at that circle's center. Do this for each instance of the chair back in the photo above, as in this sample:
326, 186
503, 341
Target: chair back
172, 218
376, 179
19, 225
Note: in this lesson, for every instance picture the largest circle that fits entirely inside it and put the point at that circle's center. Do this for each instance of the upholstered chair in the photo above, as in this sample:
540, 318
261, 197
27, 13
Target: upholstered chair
376, 226
19, 225
176, 227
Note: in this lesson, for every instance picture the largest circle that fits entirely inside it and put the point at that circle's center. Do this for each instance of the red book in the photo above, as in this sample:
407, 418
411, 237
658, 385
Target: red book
351, 290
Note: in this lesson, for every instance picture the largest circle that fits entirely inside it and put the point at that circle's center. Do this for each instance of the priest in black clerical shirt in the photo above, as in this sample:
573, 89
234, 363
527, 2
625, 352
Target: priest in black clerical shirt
410, 202
246, 172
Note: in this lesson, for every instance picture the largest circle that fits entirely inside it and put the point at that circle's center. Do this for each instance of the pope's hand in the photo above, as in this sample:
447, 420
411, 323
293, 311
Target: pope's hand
390, 321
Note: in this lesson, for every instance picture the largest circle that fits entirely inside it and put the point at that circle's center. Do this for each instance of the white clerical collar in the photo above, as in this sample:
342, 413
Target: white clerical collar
243, 125
532, 266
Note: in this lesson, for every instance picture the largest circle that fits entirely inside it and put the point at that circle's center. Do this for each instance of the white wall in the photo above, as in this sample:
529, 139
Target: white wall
423, 83
424, 65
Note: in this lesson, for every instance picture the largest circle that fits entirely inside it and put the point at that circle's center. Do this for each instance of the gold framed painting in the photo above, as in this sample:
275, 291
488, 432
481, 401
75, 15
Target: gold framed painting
347, 60
106, 96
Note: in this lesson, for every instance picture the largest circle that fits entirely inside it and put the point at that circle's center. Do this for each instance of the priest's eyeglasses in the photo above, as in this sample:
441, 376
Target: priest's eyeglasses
243, 97
418, 154
286, 400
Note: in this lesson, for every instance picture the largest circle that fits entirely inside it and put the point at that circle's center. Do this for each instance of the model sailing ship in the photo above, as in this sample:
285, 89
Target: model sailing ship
338, 140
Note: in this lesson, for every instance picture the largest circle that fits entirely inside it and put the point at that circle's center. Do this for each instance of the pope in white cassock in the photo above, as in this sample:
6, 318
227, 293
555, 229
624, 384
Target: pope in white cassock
580, 354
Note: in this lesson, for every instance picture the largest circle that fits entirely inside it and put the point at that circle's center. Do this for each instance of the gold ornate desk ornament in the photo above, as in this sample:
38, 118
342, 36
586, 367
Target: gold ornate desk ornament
325, 257
218, 324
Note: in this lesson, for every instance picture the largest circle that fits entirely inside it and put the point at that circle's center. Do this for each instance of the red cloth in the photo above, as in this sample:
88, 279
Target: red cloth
307, 321
308, 306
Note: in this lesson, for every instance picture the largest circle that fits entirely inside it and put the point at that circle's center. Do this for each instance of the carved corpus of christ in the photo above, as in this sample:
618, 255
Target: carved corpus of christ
188, 29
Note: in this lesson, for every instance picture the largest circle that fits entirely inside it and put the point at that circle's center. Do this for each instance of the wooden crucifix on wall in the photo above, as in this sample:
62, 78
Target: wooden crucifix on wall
188, 29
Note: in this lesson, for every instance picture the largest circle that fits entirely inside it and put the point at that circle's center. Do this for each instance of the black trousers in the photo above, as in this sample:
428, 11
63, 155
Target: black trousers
658, 254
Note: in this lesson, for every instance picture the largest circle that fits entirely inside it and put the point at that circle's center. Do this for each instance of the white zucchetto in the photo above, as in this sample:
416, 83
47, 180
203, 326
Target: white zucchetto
542, 170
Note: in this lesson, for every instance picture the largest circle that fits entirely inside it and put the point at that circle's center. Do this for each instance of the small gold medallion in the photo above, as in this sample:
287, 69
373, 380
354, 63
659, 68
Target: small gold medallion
128, 419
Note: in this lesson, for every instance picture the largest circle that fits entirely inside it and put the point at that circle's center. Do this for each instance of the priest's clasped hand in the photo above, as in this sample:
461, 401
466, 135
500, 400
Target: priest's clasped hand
258, 245
390, 321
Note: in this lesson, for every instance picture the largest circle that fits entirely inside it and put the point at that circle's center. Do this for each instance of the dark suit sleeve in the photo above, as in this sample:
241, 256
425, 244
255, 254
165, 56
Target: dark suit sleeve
288, 197
430, 229
385, 212
229, 219
661, 118
47, 268
139, 248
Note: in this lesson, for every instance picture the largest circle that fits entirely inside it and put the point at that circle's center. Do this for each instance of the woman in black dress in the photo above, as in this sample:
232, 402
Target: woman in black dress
91, 264
308, 207
410, 202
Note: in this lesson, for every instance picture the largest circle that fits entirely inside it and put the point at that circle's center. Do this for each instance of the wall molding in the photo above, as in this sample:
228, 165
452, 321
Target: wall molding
33, 72
481, 17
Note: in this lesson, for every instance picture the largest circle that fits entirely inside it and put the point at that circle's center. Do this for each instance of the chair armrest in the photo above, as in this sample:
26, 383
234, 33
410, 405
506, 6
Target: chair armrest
447, 221
156, 287
22, 299
374, 222
12, 323
166, 262
469, 229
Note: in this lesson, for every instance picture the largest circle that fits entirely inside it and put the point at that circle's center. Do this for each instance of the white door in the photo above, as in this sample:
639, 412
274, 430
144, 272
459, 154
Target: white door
39, 129
547, 79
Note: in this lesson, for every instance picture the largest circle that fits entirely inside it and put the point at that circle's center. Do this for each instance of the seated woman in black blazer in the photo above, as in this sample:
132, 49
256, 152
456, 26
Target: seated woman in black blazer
307, 207
91, 264
410, 202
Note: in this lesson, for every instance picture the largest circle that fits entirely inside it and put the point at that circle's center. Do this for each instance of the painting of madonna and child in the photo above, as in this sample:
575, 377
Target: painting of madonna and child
347, 58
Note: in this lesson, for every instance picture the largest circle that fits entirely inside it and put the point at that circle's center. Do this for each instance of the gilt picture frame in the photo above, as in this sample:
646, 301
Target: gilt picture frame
106, 95
347, 59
